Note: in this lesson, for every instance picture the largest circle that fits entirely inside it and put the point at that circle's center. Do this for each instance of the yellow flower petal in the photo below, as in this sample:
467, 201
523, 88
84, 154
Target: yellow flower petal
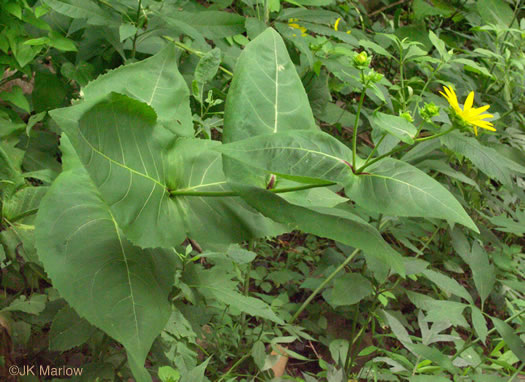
468, 102
336, 25
480, 110
471, 115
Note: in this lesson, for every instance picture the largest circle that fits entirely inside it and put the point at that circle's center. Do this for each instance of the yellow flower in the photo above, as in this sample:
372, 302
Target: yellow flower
292, 23
336, 25
471, 115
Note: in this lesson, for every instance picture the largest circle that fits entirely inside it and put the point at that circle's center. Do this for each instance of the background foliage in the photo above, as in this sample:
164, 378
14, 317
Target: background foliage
257, 190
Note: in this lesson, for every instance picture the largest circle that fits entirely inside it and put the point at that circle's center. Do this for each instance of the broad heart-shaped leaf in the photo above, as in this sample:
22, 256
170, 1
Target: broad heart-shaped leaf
396, 188
332, 223
399, 127
488, 160
266, 94
116, 286
135, 164
155, 81
304, 156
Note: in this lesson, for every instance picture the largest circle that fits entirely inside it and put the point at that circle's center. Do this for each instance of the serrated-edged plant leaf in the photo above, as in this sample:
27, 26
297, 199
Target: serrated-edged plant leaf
155, 81
303, 156
266, 94
399, 127
116, 286
331, 223
488, 160
142, 172
68, 330
396, 188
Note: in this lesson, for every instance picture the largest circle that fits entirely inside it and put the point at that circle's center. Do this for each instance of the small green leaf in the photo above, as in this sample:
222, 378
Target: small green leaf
259, 354
168, 374
513, 341
208, 65
482, 271
348, 289
125, 31
398, 329
56, 40
32, 305
399, 127
479, 324
16, 97
68, 330
448, 284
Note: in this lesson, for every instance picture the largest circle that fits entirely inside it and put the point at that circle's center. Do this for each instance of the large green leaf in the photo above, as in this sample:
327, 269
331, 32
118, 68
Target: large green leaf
495, 12
81, 9
488, 160
396, 188
155, 81
304, 156
116, 286
213, 24
136, 164
196, 166
333, 223
266, 94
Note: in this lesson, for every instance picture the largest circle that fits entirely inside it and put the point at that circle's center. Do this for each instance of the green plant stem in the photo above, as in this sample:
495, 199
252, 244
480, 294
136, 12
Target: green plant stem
435, 135
323, 285
401, 148
354, 133
241, 360
402, 78
233, 193
468, 344
137, 22
376, 147
246, 283
430, 78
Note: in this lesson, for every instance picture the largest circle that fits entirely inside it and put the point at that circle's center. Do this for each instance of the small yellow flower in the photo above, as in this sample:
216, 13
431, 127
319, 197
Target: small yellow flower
336, 25
292, 23
471, 115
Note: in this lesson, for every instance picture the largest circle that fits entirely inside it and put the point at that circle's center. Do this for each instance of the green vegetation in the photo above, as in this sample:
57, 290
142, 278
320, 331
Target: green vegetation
262, 190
